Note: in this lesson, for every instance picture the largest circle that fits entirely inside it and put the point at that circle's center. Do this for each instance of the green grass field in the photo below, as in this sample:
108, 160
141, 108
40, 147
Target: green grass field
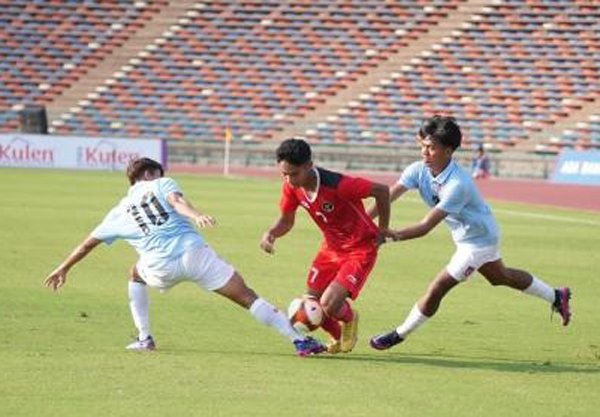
489, 351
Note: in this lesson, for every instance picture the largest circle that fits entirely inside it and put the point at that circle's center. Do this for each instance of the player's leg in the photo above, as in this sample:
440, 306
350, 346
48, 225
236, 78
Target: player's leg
237, 291
352, 273
458, 269
321, 273
341, 320
203, 266
423, 310
138, 305
498, 274
428, 304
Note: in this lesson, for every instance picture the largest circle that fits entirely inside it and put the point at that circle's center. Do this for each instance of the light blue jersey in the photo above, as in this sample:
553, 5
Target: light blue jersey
149, 223
453, 191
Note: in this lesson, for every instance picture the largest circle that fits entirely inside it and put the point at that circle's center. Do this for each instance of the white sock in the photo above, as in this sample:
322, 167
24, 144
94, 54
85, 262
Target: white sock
540, 289
414, 320
138, 304
269, 315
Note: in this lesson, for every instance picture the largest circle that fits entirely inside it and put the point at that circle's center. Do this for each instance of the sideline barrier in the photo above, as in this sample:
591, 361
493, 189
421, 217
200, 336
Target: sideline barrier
75, 152
577, 167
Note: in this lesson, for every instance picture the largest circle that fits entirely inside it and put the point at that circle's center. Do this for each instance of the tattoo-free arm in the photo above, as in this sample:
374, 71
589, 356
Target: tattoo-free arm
184, 207
58, 277
430, 221
283, 225
381, 193
395, 192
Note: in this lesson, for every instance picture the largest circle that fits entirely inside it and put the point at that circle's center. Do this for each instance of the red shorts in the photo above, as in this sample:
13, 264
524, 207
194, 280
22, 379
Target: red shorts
350, 269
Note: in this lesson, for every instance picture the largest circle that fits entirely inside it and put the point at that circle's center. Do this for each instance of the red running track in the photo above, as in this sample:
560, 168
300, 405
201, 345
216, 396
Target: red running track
579, 197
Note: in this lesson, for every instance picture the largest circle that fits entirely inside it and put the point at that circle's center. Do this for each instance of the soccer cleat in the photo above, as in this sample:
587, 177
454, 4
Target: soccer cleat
141, 345
349, 334
308, 346
386, 340
334, 346
561, 304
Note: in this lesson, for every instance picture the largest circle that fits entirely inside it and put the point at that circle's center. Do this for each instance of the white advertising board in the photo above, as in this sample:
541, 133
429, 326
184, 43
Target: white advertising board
73, 152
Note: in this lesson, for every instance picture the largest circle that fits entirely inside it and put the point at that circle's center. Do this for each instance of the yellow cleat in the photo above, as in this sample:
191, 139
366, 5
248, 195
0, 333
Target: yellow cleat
334, 346
349, 334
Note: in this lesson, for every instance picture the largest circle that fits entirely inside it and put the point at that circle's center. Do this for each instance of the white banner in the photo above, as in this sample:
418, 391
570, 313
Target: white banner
76, 152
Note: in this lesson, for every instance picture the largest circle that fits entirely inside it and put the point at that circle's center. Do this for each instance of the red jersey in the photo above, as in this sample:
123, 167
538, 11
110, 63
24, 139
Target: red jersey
337, 208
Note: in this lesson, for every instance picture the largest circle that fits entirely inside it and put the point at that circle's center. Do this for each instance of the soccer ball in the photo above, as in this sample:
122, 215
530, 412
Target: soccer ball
305, 313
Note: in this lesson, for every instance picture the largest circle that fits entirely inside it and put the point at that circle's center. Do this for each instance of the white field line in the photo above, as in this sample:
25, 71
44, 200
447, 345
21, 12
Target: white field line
551, 217
528, 214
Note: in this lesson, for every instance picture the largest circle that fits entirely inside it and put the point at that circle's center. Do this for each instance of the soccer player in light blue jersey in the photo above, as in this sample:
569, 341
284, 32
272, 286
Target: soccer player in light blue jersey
154, 217
453, 198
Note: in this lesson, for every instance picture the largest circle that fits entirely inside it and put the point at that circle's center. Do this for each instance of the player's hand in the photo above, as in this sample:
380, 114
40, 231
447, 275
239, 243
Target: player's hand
205, 220
388, 235
395, 236
267, 243
381, 239
56, 279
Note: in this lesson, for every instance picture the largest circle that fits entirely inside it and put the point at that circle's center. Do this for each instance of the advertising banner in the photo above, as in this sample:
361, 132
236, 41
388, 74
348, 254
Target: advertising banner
577, 167
72, 152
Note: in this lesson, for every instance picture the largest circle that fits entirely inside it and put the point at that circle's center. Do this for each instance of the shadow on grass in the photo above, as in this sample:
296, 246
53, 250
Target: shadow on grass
432, 360
464, 362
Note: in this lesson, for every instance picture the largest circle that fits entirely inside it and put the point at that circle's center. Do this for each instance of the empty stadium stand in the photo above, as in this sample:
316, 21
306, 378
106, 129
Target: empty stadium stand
45, 46
512, 71
516, 68
253, 66
585, 135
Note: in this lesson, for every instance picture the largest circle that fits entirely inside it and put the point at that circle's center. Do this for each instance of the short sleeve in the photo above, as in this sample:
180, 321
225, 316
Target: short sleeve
288, 202
108, 230
453, 199
354, 188
410, 176
168, 185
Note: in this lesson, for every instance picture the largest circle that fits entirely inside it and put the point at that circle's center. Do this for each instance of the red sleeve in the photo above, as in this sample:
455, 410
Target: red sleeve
353, 188
289, 202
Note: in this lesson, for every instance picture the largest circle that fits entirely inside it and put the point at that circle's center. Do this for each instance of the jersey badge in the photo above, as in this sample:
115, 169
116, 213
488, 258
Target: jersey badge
327, 207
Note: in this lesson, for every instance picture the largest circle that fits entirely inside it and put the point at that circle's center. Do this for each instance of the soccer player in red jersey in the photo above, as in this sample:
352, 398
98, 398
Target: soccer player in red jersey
349, 250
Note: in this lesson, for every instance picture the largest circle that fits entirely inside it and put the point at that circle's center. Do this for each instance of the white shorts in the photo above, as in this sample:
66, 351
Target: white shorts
467, 260
199, 264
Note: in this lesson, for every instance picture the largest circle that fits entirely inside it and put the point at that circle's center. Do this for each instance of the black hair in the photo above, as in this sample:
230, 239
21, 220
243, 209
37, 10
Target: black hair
443, 130
294, 151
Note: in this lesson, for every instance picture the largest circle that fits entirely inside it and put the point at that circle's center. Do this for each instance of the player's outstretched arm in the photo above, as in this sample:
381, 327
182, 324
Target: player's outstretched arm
182, 206
395, 192
58, 277
429, 222
283, 225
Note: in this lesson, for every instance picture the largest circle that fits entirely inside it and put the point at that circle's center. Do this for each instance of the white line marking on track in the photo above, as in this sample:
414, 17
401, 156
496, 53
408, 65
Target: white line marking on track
552, 217
528, 214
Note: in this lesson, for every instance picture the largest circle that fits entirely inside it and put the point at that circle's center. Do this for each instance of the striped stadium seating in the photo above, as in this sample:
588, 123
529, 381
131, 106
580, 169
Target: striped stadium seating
515, 69
254, 66
585, 135
47, 45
